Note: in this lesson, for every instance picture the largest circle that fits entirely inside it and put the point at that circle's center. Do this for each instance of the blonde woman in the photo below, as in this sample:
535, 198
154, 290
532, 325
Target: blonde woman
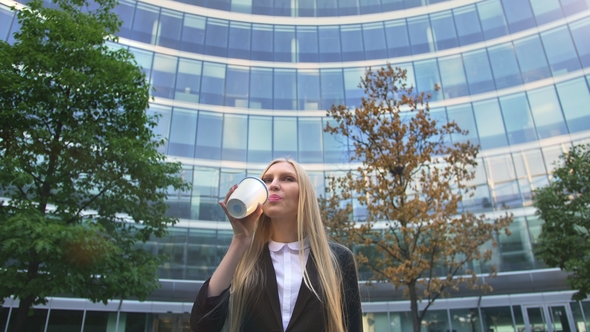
280, 272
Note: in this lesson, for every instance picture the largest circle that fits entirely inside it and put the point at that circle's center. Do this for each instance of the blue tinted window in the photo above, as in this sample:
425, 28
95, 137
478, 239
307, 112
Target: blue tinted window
519, 14
145, 21
560, 51
390, 5
420, 34
261, 88
15, 27
426, 78
352, 79
209, 128
188, 80
348, 7
580, 32
235, 134
546, 11
308, 88
517, 117
212, 87
571, 7
170, 26
334, 144
241, 6
144, 59
398, 42
531, 58
327, 8
307, 8
260, 139
307, 43
463, 117
490, 125
575, 99
239, 40
285, 137
492, 19
478, 71
262, 42
468, 27
443, 27
504, 66
370, 6
310, 140
216, 37
284, 49
162, 128
236, 86
219, 4
282, 8
193, 34
163, 75
374, 41
547, 112
183, 133
352, 43
285, 89
454, 83
329, 44
124, 9
263, 7
332, 88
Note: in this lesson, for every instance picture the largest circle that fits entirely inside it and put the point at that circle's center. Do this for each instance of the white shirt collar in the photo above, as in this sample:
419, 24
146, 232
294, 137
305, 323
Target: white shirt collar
276, 246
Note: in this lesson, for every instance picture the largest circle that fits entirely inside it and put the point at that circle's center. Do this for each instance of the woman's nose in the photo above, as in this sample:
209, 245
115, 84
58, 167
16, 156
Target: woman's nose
273, 185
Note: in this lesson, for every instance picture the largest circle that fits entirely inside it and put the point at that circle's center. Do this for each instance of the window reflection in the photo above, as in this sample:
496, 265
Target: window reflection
547, 112
497, 319
560, 51
531, 59
235, 133
490, 124
491, 16
183, 133
517, 117
574, 98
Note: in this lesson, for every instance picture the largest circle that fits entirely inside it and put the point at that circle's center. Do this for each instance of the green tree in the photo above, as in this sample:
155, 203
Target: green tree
564, 205
411, 179
80, 175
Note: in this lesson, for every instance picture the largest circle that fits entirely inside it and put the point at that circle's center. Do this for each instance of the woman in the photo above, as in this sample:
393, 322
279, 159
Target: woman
280, 273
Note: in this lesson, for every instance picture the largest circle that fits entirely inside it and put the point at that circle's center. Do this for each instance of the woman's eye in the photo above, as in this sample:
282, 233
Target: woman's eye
267, 180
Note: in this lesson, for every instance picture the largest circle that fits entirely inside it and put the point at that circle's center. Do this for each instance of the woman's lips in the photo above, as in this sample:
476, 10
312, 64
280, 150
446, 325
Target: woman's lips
274, 198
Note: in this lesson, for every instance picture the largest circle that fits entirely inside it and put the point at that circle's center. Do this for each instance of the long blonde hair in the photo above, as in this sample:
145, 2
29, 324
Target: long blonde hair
249, 275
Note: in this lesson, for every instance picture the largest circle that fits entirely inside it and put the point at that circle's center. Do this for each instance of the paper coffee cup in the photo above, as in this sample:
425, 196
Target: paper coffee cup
244, 200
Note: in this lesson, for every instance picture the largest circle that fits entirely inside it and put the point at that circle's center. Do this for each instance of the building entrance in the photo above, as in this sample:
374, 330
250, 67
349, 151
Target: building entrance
555, 317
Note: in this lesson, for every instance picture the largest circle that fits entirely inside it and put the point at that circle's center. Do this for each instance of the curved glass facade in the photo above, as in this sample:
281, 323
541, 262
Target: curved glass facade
252, 80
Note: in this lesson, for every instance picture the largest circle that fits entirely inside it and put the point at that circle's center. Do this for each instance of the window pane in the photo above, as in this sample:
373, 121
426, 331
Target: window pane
427, 77
307, 44
468, 27
262, 42
546, 11
492, 19
335, 145
212, 89
547, 113
261, 88
235, 128
327, 8
332, 88
188, 80
504, 66
182, 135
531, 58
499, 318
352, 43
285, 89
216, 37
463, 116
420, 35
163, 76
239, 40
490, 125
285, 137
352, 79
308, 87
580, 31
465, 320
478, 71
370, 6
241, 6
260, 139
519, 14
124, 9
454, 83
307, 8
310, 140
284, 44
517, 117
193, 34
263, 7
170, 26
348, 7
560, 51
209, 136
443, 30
575, 99
162, 129
398, 42
145, 23
374, 41
65, 320
98, 321
144, 59
329, 43
436, 320
236, 86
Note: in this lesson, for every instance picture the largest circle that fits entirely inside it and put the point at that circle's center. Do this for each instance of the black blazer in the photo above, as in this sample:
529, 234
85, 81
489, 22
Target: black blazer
263, 314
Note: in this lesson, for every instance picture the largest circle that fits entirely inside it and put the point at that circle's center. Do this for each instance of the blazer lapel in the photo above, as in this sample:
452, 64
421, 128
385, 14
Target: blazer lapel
272, 290
306, 294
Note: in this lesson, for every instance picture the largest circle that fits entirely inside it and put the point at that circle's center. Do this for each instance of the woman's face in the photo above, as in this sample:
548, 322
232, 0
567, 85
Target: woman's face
283, 191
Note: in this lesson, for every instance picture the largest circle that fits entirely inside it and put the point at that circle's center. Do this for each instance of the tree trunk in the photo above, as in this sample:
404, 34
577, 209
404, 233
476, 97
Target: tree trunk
416, 321
25, 303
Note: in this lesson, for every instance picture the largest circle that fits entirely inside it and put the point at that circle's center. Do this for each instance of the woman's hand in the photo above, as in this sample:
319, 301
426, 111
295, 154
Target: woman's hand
243, 228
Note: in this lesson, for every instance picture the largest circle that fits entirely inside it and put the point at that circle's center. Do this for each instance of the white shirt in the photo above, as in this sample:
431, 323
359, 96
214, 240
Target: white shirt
289, 272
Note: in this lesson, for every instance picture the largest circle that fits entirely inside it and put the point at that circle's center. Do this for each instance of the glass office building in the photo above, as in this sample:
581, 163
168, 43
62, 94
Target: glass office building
240, 82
